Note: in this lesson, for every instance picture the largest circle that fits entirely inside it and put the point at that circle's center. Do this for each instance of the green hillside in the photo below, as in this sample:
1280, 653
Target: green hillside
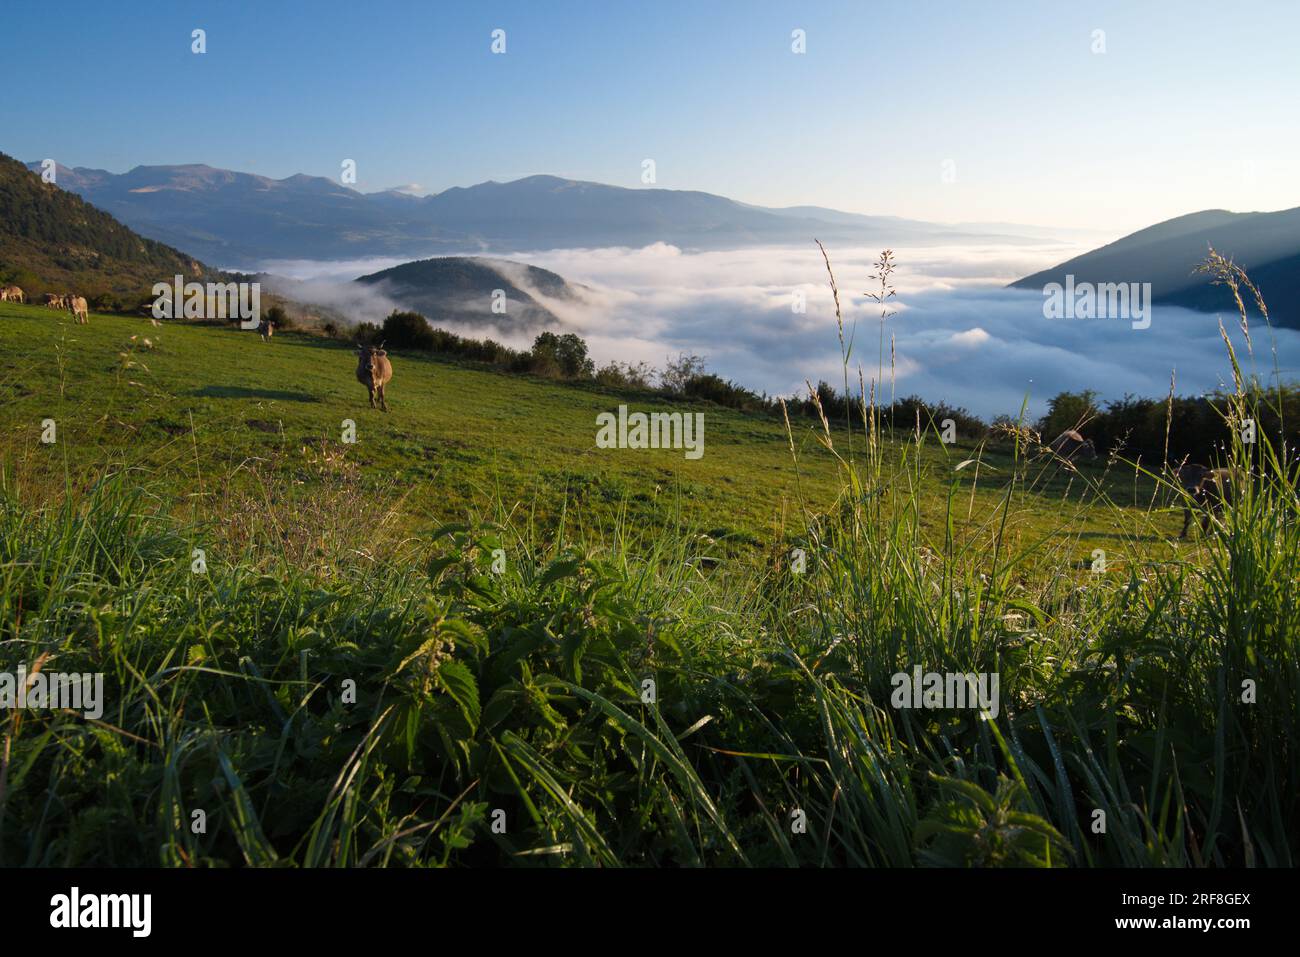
199, 409
54, 241
294, 644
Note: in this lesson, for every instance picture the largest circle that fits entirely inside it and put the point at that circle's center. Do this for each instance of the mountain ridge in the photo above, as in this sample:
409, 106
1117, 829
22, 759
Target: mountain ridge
242, 220
1166, 254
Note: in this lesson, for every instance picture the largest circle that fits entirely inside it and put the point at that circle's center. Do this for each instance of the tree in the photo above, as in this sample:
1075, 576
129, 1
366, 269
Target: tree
408, 330
678, 372
1068, 410
277, 317
564, 355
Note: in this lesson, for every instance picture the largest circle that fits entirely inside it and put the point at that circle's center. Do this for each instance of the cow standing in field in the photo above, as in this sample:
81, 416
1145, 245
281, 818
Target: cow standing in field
266, 329
373, 371
12, 294
79, 309
54, 300
1209, 489
1070, 445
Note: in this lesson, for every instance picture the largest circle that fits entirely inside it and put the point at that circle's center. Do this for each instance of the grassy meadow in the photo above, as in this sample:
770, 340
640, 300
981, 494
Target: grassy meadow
646, 680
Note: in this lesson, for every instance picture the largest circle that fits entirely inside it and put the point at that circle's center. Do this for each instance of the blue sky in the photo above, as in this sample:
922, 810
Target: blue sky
1192, 105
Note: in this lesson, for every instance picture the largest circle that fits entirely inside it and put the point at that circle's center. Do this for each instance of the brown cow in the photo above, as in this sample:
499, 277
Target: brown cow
266, 329
373, 371
78, 307
12, 294
54, 300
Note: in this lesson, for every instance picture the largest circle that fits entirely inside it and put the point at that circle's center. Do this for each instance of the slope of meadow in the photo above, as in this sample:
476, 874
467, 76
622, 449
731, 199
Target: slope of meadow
205, 416
471, 637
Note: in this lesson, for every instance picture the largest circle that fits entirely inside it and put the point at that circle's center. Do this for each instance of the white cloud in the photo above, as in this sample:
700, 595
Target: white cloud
958, 335
971, 337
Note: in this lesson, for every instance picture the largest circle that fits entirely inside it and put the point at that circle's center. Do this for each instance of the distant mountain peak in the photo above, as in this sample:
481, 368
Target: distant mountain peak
240, 219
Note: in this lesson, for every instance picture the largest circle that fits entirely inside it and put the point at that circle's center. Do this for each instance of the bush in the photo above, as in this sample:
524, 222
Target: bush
278, 317
1197, 427
905, 413
408, 330
104, 302
713, 388
1068, 410
625, 375
563, 356
680, 371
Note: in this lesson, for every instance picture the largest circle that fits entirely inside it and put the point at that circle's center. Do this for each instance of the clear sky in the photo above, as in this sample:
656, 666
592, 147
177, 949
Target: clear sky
1192, 105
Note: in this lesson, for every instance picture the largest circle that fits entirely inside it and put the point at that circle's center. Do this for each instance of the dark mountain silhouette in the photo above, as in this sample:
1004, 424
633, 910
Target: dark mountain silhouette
53, 241
1266, 245
461, 289
240, 219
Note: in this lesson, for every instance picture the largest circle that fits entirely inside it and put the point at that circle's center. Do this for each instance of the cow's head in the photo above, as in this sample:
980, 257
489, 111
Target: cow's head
368, 356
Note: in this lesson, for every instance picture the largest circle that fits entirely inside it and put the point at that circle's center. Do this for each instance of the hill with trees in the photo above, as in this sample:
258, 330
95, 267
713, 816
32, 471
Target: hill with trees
52, 240
465, 289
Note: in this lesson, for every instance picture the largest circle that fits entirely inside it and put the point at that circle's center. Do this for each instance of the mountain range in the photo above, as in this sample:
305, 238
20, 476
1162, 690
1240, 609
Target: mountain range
1266, 245
242, 220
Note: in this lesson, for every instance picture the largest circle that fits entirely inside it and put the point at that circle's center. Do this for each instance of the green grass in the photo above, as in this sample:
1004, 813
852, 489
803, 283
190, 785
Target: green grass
207, 409
518, 699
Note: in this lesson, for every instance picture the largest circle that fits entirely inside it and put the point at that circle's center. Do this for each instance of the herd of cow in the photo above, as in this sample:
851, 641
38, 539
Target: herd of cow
373, 368
1208, 489
70, 302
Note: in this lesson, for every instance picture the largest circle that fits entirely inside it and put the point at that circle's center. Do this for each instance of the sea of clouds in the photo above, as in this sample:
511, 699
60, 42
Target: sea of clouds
957, 334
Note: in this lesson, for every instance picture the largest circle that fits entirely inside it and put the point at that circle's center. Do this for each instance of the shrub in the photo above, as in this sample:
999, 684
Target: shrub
1068, 410
625, 375
564, 356
408, 330
278, 317
713, 388
680, 371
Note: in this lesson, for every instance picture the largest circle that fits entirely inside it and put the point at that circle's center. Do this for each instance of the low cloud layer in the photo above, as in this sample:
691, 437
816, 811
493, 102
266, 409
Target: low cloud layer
959, 335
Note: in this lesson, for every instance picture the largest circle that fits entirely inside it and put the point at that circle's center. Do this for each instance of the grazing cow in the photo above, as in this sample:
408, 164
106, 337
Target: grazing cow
373, 371
266, 329
54, 300
78, 307
1212, 489
1189, 475
1070, 445
12, 294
